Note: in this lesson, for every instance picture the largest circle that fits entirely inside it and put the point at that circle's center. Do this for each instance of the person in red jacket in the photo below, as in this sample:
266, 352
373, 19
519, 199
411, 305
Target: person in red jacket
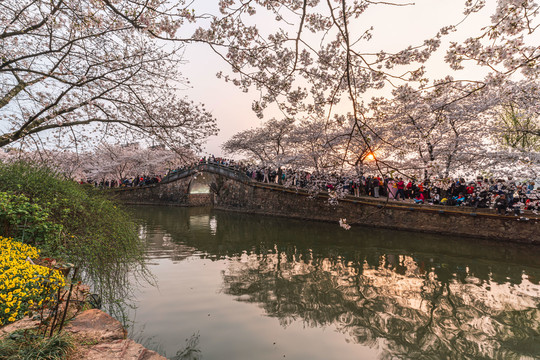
408, 191
400, 189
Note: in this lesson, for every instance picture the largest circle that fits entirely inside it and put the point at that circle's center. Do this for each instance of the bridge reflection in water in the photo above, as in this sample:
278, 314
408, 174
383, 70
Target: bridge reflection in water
403, 295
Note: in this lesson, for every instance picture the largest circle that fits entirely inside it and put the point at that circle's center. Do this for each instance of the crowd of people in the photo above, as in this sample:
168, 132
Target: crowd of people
139, 180
505, 195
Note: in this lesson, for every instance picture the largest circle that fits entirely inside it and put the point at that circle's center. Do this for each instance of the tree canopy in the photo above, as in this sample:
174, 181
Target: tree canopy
113, 68
68, 65
432, 125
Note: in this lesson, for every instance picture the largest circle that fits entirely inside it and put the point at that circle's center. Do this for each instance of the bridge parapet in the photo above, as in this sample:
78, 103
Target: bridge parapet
177, 175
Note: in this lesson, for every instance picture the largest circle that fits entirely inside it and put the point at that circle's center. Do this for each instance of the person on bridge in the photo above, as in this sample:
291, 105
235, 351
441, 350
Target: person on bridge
501, 204
376, 181
279, 176
400, 189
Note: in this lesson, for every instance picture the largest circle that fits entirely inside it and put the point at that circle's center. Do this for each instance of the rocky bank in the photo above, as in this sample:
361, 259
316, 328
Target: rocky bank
98, 336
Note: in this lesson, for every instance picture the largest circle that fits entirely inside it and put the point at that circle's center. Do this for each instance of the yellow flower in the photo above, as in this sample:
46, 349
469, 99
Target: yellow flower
22, 283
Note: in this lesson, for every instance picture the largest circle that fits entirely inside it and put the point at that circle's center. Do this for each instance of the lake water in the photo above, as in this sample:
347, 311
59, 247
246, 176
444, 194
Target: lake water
241, 286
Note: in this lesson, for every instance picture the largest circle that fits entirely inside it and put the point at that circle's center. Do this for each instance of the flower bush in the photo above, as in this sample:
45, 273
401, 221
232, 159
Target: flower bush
24, 286
72, 224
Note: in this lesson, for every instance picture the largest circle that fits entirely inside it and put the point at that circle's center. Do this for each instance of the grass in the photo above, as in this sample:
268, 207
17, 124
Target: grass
26, 345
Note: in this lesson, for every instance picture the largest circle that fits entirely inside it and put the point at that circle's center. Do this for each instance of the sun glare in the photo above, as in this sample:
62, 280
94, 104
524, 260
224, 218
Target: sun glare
370, 157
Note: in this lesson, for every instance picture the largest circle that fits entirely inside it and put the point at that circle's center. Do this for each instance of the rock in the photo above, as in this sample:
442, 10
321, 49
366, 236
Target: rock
121, 350
23, 324
109, 339
95, 325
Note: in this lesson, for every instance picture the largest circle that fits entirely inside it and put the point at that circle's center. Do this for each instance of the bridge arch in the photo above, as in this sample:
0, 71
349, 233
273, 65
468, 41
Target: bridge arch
200, 183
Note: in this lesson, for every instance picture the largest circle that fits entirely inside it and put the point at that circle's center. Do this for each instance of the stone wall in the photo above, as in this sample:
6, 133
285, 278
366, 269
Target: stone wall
200, 200
270, 199
461, 221
172, 193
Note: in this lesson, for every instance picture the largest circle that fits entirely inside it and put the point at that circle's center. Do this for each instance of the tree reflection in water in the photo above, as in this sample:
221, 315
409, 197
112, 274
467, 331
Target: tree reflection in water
410, 307
410, 295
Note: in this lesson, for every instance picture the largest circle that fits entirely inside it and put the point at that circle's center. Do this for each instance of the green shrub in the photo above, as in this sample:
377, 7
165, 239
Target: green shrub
39, 201
27, 221
71, 222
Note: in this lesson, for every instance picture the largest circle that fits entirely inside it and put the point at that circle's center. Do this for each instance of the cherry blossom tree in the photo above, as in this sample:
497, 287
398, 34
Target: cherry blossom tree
316, 142
105, 162
324, 145
318, 61
117, 162
69, 65
505, 46
65, 162
433, 132
313, 144
270, 144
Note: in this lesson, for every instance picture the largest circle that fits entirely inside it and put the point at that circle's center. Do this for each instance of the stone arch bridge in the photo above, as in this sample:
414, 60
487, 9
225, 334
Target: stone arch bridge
226, 188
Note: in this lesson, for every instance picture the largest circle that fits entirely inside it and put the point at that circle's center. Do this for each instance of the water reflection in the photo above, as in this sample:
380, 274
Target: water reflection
213, 225
406, 295
434, 311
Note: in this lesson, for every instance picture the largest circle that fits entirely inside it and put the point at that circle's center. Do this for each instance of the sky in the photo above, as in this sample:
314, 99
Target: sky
394, 28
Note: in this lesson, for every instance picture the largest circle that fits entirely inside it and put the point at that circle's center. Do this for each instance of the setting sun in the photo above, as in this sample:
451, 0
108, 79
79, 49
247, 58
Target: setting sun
370, 156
